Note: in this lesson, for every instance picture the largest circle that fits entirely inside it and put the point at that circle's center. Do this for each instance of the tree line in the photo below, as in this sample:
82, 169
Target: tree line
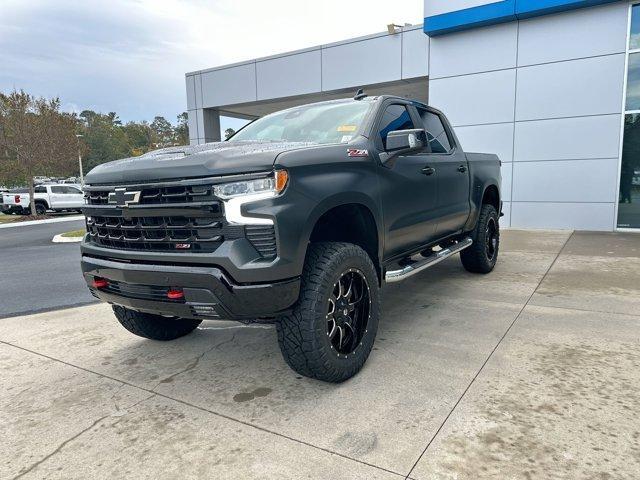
37, 138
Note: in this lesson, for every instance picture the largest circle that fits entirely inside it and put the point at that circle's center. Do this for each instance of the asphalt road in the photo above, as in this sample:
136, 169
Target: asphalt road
37, 275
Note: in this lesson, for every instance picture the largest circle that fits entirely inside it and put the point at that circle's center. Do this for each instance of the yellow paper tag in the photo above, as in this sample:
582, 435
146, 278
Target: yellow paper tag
347, 128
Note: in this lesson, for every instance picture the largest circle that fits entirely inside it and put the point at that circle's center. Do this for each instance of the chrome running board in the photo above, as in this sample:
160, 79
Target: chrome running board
393, 276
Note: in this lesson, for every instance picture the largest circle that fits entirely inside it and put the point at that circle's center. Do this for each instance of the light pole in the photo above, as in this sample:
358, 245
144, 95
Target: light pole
80, 159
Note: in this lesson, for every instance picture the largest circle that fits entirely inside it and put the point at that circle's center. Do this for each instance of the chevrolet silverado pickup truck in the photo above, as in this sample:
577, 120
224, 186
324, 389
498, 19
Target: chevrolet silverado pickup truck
299, 219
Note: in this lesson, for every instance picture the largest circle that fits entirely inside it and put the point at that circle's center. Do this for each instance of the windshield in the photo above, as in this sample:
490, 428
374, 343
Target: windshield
319, 123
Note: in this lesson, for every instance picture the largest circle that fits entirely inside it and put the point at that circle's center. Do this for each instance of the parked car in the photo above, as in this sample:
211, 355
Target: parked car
299, 219
47, 197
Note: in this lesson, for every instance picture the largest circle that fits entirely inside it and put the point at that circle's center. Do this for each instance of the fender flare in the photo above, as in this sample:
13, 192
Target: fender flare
337, 200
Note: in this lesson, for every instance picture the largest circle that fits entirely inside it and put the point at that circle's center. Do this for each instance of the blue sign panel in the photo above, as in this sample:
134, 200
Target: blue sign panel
499, 12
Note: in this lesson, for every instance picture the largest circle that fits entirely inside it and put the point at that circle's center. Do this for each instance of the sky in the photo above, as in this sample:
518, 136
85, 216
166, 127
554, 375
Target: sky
130, 56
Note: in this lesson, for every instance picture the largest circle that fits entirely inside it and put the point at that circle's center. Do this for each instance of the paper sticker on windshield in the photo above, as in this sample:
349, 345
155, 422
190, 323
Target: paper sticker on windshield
347, 128
346, 138
357, 152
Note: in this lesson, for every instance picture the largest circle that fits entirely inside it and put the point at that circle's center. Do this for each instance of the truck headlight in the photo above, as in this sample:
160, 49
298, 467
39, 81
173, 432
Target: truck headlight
236, 194
274, 183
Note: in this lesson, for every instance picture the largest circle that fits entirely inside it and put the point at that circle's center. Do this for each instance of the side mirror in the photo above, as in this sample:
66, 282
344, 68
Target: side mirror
403, 142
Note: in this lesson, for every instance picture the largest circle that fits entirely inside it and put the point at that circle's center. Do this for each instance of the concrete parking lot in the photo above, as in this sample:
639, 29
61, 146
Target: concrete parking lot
532, 371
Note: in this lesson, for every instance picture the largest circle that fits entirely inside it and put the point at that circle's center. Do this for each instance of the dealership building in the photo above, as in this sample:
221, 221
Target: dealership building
551, 86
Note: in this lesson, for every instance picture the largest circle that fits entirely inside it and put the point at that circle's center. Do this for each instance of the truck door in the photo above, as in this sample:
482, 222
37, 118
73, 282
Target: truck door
57, 197
75, 197
407, 188
452, 172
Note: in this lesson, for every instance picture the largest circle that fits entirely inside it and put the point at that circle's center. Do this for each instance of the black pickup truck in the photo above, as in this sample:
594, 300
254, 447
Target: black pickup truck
298, 219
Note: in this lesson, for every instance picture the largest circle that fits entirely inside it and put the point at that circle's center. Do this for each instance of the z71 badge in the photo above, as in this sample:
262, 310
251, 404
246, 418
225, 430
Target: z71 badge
357, 152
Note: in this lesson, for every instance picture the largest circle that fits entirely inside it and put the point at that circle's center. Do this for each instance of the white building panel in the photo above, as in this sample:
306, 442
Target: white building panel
193, 126
415, 53
302, 72
438, 7
565, 181
201, 129
231, 85
577, 216
505, 220
591, 86
497, 138
191, 92
374, 60
575, 34
474, 51
198, 86
475, 99
505, 188
568, 138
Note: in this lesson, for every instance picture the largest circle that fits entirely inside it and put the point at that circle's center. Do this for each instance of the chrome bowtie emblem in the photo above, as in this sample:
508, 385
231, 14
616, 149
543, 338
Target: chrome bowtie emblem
122, 198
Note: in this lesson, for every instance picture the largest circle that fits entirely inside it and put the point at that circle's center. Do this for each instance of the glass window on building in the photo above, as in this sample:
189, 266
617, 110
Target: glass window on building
633, 82
629, 197
634, 37
629, 194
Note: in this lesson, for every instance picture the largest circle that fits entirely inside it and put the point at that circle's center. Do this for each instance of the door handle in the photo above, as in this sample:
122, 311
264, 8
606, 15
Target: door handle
428, 171
462, 168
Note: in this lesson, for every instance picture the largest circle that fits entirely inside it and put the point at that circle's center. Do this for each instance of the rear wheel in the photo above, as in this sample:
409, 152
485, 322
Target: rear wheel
41, 209
155, 327
482, 255
331, 330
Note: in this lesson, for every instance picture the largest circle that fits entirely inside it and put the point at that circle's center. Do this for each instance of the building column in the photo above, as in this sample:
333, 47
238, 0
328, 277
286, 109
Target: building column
210, 125
204, 126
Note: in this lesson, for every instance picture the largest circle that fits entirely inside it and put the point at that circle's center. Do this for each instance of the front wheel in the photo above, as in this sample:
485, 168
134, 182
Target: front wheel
482, 255
330, 332
41, 209
155, 327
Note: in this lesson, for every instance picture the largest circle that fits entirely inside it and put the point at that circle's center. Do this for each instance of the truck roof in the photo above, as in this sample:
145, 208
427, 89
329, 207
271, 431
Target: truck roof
364, 99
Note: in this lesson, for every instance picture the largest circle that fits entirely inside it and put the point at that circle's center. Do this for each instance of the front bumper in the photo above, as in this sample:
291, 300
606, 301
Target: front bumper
208, 292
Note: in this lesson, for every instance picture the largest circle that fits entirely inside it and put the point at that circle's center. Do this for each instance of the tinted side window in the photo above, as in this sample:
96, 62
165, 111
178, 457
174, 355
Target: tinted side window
58, 189
40, 189
72, 190
395, 117
435, 132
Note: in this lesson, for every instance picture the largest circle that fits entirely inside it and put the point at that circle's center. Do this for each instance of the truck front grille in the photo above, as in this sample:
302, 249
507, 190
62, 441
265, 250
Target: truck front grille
160, 195
201, 234
168, 218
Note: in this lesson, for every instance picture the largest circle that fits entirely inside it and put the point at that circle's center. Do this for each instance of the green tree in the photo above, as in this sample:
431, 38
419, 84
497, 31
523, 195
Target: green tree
140, 137
228, 132
104, 137
182, 129
36, 138
163, 131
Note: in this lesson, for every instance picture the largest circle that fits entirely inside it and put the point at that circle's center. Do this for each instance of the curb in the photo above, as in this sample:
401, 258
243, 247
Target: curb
41, 222
60, 239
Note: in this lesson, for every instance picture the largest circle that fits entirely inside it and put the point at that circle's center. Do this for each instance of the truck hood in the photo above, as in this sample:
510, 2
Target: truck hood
209, 159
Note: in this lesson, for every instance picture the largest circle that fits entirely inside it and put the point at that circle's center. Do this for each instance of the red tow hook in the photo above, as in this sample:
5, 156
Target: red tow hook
99, 282
175, 294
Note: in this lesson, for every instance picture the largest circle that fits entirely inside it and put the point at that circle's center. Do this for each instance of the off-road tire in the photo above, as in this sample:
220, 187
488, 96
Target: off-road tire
303, 336
41, 208
479, 258
155, 327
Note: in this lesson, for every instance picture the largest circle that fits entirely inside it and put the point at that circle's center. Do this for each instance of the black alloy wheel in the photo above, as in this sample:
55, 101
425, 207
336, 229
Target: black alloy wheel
491, 238
348, 312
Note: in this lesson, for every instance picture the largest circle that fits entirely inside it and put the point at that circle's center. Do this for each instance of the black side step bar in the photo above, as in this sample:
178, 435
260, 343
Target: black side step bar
393, 276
